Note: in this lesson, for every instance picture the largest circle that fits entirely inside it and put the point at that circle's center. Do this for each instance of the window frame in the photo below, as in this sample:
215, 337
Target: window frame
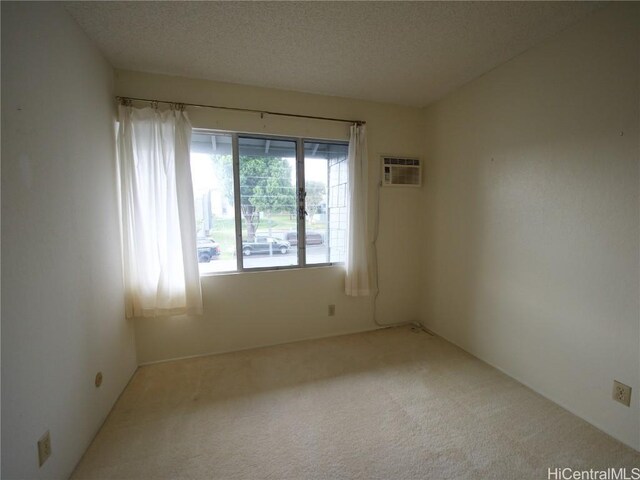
300, 204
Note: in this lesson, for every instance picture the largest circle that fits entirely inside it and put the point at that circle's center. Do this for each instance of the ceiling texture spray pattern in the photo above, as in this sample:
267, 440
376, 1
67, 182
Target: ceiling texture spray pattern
408, 53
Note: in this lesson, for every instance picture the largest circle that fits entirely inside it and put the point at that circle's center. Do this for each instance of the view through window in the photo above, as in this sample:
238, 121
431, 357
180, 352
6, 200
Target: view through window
325, 170
248, 199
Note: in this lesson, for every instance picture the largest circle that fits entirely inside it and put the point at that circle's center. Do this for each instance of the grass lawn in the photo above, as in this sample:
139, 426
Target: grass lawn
224, 230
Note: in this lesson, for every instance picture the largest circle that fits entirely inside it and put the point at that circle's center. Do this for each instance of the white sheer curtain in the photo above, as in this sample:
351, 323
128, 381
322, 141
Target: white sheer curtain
357, 276
158, 222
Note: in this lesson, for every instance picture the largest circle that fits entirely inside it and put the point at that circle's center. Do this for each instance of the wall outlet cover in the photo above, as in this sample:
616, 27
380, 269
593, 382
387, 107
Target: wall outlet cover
621, 393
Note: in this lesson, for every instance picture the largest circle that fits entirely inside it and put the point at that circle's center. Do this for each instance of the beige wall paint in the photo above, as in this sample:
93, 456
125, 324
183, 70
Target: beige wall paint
254, 309
531, 218
62, 295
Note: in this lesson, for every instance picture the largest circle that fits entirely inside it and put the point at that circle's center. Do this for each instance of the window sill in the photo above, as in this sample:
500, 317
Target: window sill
272, 269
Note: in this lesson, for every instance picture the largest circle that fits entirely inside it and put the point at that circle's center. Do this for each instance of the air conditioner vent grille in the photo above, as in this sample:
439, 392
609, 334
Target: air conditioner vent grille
401, 172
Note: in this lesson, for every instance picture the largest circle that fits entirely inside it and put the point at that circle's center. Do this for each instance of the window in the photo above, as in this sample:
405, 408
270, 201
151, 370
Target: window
279, 202
325, 176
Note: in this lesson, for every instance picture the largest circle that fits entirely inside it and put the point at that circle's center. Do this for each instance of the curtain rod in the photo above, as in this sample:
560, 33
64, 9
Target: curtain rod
261, 112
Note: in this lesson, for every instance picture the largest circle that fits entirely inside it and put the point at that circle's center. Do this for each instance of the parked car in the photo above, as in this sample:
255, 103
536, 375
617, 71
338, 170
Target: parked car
207, 249
312, 238
265, 245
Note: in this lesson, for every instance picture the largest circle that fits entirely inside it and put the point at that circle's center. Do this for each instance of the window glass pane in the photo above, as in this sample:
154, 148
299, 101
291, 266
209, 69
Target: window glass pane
268, 201
212, 174
325, 175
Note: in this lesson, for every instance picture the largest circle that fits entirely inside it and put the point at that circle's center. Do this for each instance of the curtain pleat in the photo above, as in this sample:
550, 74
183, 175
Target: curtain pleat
158, 222
357, 258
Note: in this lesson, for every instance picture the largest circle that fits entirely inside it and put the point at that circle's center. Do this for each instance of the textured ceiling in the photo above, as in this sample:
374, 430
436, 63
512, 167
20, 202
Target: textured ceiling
408, 53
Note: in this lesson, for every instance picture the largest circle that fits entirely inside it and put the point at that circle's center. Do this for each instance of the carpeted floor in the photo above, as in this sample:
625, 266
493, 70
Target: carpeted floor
389, 404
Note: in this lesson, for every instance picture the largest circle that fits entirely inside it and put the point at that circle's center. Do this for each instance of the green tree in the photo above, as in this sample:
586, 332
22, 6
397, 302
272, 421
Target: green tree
265, 187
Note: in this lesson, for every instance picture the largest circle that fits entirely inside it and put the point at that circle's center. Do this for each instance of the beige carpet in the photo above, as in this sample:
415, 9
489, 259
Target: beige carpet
390, 404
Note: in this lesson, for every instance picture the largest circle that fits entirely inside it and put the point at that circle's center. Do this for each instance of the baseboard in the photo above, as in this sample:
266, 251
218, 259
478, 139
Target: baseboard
265, 345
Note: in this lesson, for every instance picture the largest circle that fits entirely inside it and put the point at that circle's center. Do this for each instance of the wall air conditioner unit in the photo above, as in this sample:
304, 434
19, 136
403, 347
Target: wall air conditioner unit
401, 172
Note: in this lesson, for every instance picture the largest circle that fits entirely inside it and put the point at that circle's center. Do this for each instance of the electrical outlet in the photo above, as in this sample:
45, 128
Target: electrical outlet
44, 448
332, 310
621, 393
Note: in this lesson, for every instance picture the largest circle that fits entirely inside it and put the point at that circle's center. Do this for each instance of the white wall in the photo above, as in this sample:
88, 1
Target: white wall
531, 218
62, 295
253, 309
